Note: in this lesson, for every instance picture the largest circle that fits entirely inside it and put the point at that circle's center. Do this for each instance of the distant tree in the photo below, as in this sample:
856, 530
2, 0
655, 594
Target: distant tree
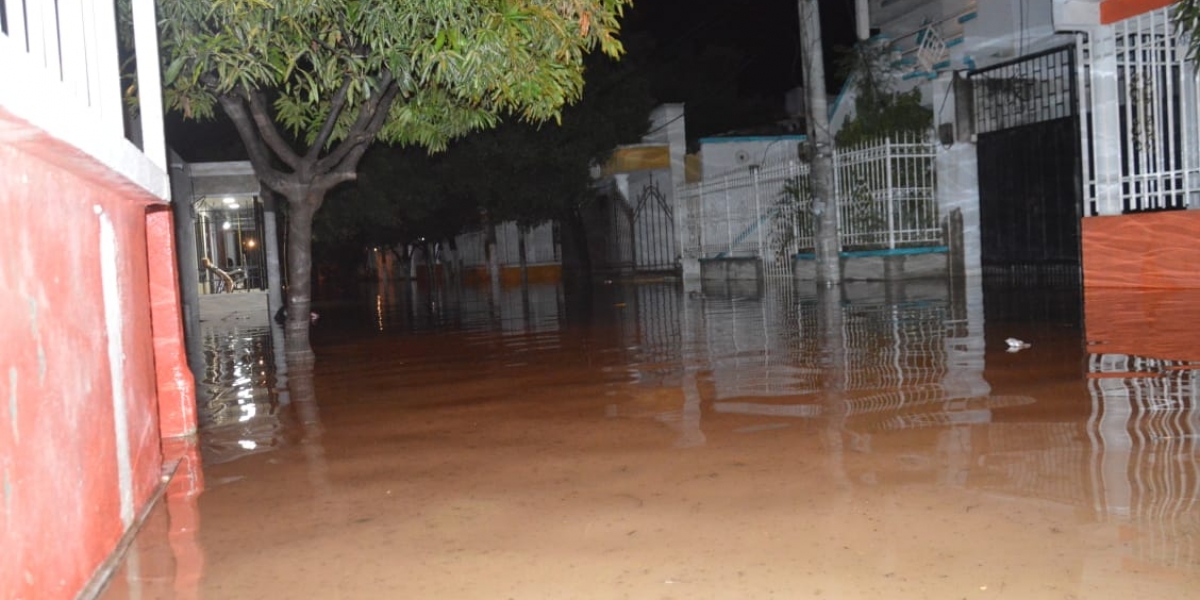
879, 110
528, 173
310, 85
1186, 16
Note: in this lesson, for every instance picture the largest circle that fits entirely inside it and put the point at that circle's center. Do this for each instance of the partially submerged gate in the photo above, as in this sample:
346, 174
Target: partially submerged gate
1030, 191
654, 243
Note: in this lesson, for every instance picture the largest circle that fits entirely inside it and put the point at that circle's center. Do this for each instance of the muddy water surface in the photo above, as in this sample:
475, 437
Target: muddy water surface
647, 442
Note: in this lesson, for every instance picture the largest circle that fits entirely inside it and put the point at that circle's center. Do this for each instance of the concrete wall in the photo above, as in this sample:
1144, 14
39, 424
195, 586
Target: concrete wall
91, 351
540, 246
734, 155
731, 269
879, 266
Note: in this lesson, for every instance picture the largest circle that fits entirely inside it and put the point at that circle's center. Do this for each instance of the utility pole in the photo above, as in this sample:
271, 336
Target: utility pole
820, 140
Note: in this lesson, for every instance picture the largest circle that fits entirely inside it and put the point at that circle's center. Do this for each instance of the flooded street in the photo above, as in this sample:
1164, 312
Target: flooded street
645, 442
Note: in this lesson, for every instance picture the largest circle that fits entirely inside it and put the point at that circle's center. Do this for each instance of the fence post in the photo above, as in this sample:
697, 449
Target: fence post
795, 208
837, 191
703, 222
728, 220
891, 208
758, 217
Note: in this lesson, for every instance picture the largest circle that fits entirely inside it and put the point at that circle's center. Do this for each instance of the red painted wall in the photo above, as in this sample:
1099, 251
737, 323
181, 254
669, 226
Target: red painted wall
59, 494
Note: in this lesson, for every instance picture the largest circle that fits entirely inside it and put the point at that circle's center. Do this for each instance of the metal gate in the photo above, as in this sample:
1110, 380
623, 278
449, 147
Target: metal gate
653, 242
1030, 191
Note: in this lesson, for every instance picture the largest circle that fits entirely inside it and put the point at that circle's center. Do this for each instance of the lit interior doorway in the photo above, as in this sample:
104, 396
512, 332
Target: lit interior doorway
229, 234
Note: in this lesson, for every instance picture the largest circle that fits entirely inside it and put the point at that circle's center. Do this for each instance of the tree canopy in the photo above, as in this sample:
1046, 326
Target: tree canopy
414, 71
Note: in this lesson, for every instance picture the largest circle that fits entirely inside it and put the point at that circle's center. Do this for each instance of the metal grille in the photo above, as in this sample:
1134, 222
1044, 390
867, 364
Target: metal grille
887, 200
1150, 71
1030, 194
931, 50
653, 229
1141, 127
1028, 90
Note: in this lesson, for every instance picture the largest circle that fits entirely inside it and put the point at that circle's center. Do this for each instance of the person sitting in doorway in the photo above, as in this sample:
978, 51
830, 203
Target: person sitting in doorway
222, 281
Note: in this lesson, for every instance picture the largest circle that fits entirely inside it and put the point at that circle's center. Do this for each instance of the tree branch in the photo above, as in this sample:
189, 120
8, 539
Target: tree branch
270, 135
371, 117
346, 169
260, 156
335, 111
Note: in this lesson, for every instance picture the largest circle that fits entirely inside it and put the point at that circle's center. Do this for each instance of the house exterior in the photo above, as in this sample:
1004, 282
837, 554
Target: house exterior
1068, 129
98, 392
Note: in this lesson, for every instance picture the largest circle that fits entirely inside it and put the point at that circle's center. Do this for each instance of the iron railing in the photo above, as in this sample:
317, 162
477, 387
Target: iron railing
886, 196
1141, 133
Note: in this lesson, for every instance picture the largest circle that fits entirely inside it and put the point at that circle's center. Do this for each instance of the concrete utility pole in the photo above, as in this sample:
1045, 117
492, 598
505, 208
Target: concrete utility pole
820, 139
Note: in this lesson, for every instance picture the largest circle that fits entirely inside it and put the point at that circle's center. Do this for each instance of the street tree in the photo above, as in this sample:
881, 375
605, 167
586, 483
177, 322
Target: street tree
310, 85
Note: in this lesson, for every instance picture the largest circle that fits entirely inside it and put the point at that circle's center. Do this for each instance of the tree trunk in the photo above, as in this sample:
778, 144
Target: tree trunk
299, 265
824, 196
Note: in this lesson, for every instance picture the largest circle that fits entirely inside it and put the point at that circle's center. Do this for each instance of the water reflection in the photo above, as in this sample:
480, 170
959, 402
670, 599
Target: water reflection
907, 384
240, 404
1116, 435
413, 307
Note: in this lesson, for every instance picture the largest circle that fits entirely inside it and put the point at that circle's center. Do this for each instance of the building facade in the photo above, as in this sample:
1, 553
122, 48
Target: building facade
1068, 129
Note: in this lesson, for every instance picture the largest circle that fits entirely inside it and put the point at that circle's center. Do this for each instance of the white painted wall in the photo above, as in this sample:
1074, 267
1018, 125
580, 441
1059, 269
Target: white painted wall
730, 156
61, 70
540, 248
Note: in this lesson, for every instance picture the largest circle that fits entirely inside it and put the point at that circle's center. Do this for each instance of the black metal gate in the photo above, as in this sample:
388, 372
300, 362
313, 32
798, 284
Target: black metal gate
1030, 189
653, 229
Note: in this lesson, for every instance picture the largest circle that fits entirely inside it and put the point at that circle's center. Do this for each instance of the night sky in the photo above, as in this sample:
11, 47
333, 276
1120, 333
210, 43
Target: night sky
766, 31
762, 34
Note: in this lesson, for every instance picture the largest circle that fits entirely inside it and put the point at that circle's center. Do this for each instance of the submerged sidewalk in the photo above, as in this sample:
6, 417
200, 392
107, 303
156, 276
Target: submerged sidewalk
241, 308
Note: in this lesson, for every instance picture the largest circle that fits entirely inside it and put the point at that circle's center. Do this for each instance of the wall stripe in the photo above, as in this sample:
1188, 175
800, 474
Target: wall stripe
116, 362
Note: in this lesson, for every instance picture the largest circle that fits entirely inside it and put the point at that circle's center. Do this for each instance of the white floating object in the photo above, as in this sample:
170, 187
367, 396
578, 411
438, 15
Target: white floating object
1016, 345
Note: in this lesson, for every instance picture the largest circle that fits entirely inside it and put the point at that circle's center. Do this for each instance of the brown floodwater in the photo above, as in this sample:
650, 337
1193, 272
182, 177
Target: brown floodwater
648, 442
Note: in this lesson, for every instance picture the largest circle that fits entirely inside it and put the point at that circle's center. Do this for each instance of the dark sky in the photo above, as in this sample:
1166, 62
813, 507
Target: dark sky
765, 30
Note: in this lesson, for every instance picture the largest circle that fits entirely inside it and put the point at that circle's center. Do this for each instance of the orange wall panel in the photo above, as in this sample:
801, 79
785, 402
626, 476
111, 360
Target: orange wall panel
1151, 250
1112, 11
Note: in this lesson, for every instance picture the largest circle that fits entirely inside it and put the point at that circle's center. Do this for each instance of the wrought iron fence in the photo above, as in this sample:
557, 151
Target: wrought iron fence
1140, 134
886, 197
